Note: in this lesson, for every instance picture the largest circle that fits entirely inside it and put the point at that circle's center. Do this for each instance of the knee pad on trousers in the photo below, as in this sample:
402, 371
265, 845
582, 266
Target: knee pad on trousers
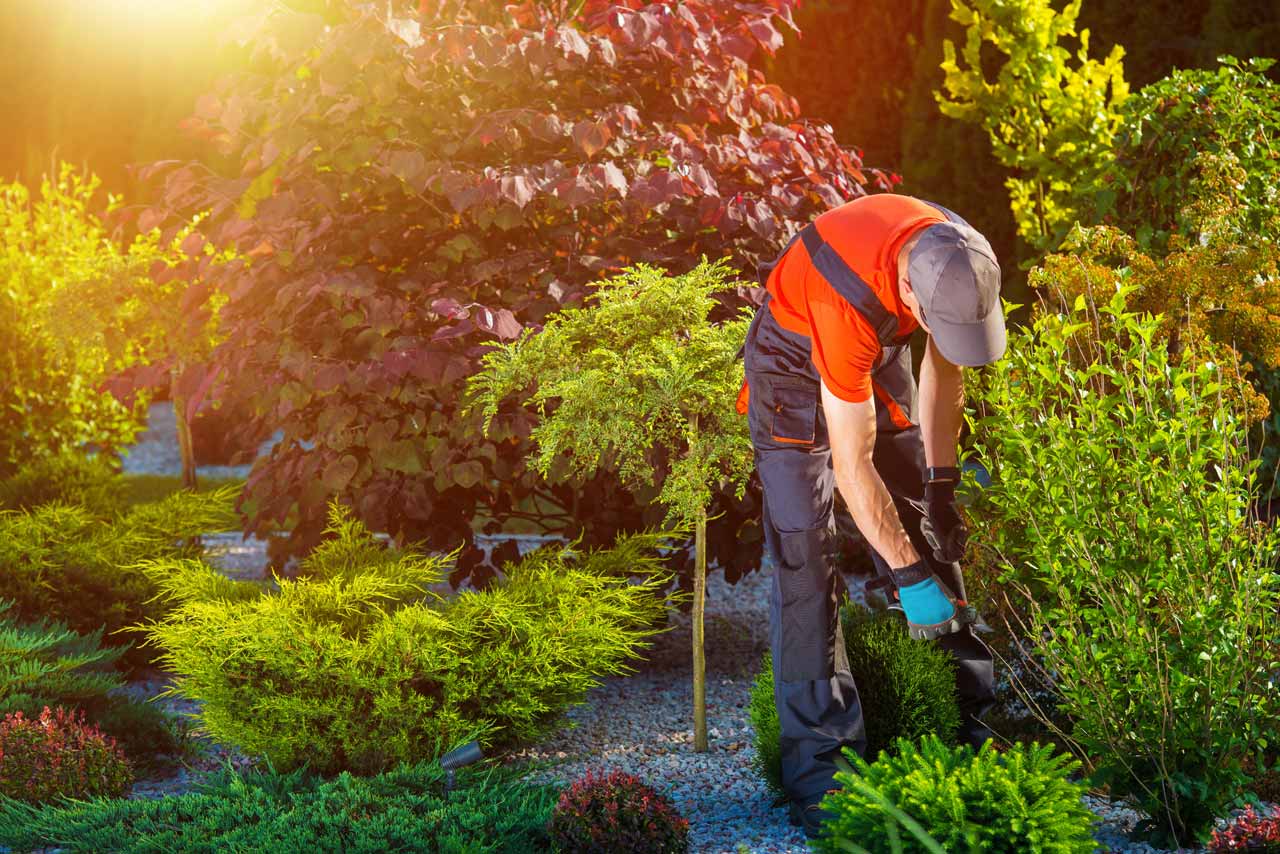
809, 621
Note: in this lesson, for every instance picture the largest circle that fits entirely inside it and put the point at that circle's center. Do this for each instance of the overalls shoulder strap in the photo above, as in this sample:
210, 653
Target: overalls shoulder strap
852, 287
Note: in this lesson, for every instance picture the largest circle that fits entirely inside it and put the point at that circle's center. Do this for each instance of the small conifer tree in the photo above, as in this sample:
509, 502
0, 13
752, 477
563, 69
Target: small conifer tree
639, 380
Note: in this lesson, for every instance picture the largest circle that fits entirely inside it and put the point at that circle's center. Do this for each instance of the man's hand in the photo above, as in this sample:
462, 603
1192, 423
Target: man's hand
942, 526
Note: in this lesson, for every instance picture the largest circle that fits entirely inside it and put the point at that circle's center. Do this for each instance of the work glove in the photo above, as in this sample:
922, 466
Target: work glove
942, 526
928, 606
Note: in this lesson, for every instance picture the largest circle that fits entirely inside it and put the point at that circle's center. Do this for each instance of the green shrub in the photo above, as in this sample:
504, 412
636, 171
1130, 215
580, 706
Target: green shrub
1154, 172
50, 394
59, 562
616, 813
70, 478
907, 689
1018, 801
47, 664
356, 665
403, 810
1120, 511
59, 755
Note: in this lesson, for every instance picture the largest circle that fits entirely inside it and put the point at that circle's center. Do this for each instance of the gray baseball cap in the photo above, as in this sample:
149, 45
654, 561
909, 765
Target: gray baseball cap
954, 273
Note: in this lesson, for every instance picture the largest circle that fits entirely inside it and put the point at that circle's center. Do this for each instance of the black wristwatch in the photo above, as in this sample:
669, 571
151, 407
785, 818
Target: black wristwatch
950, 473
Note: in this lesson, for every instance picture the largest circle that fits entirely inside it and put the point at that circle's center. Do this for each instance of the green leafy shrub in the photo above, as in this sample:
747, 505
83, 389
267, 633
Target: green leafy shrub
403, 810
68, 477
50, 395
1018, 801
46, 664
616, 813
1119, 513
59, 755
1050, 119
1145, 188
644, 350
61, 563
907, 689
357, 664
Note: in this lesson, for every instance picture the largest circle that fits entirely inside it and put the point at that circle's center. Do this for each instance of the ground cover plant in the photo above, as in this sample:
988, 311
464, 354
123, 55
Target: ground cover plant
58, 755
405, 809
907, 689
358, 663
59, 562
616, 812
1120, 513
1015, 801
384, 247
642, 351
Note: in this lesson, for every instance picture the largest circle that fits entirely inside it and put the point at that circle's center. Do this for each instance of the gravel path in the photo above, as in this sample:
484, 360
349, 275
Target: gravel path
641, 723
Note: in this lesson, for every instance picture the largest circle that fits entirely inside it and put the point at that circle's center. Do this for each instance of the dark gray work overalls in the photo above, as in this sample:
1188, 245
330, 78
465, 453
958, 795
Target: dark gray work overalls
817, 701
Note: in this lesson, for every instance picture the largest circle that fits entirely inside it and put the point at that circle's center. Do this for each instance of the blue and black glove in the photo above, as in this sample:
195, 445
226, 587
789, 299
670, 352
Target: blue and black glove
930, 608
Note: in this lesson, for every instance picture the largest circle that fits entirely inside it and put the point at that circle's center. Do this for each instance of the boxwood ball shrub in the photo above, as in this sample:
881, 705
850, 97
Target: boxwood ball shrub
616, 813
907, 688
358, 663
1017, 801
57, 755
267, 812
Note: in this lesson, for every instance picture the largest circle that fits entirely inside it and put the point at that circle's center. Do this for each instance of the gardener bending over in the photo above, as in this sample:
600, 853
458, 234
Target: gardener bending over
832, 402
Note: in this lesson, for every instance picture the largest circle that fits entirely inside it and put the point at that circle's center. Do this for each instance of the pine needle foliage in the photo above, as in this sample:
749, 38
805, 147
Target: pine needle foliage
357, 664
47, 664
68, 477
1017, 801
60, 562
639, 380
403, 810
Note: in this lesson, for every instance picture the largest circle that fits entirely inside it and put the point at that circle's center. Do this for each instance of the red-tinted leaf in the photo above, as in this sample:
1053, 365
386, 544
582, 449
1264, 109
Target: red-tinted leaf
768, 36
591, 136
339, 472
193, 244
517, 189
409, 167
448, 307
150, 218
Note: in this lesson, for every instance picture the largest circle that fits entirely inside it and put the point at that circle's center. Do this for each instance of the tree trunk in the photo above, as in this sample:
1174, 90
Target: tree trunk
185, 447
699, 656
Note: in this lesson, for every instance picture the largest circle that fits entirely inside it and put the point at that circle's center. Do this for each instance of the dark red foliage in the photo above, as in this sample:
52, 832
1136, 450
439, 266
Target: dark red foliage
616, 813
59, 755
1250, 831
406, 198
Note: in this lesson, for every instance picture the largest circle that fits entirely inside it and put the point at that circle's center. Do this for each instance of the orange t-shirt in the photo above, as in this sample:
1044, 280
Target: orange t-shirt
867, 233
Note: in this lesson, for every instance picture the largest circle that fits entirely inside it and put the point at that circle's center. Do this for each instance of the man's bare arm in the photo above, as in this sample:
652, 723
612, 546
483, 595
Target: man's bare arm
941, 407
852, 431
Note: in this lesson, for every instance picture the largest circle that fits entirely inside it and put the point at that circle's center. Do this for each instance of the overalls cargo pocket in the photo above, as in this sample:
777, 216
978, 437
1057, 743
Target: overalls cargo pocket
795, 410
